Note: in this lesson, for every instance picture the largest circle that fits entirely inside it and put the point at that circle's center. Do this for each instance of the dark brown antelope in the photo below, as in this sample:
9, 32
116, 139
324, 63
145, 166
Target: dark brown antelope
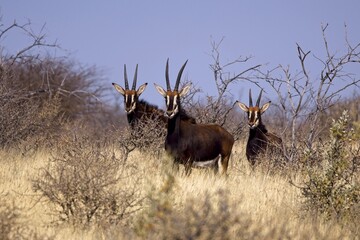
260, 140
192, 144
140, 109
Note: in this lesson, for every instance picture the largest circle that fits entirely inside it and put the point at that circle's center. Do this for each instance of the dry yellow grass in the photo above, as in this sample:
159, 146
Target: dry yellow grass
268, 201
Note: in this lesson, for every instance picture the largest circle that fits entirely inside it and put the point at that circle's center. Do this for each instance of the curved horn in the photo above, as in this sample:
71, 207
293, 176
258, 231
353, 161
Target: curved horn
179, 76
167, 76
135, 78
259, 98
250, 99
126, 79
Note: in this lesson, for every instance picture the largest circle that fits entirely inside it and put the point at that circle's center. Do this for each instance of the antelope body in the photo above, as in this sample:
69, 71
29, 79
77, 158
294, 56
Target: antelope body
260, 140
192, 144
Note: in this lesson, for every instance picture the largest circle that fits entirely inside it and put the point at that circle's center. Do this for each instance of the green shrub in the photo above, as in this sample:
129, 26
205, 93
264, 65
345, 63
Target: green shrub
333, 189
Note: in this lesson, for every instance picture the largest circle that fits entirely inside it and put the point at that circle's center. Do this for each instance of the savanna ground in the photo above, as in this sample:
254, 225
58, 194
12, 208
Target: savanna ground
71, 169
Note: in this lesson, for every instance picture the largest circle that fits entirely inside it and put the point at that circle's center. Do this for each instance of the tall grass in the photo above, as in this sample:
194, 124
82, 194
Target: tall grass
245, 205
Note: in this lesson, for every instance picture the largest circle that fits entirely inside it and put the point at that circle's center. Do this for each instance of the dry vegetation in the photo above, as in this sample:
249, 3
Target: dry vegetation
70, 198
61, 178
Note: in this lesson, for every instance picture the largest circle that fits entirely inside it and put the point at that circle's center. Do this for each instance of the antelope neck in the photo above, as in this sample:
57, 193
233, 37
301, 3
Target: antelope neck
259, 129
174, 124
131, 118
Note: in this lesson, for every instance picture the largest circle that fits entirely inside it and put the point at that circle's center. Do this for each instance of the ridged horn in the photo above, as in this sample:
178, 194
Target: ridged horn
179, 76
167, 76
259, 98
250, 99
126, 78
135, 78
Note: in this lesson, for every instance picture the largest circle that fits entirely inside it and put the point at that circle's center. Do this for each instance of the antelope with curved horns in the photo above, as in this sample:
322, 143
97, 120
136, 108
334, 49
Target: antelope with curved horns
139, 109
192, 144
260, 139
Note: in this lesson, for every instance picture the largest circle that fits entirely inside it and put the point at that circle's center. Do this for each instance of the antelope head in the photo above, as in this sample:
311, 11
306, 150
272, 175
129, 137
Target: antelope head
254, 112
131, 96
172, 98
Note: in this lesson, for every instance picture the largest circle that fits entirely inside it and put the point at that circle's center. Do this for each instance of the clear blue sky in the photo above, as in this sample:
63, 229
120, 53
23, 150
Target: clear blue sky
109, 34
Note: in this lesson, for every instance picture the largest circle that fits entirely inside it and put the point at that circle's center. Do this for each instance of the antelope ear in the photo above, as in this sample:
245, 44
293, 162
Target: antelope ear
160, 90
141, 89
242, 106
265, 107
185, 90
119, 88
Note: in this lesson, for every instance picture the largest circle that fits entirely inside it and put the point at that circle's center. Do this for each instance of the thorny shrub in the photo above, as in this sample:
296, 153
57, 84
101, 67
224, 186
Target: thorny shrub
25, 114
146, 136
88, 183
333, 189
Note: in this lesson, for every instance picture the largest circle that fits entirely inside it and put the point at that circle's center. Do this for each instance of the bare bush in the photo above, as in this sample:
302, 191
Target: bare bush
39, 93
25, 116
145, 136
24, 113
78, 88
88, 183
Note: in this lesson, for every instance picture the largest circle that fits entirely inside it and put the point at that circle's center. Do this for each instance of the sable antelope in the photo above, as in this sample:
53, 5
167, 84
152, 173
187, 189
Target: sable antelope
140, 109
192, 144
260, 139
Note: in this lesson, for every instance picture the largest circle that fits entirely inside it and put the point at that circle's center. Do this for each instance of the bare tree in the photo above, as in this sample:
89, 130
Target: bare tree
303, 97
219, 108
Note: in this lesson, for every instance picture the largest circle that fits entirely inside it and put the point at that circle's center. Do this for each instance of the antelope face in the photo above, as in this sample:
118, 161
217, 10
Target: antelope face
254, 113
130, 100
254, 116
172, 103
131, 97
172, 99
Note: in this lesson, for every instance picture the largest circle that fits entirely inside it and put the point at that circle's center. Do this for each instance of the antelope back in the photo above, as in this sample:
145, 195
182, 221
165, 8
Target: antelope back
172, 97
131, 96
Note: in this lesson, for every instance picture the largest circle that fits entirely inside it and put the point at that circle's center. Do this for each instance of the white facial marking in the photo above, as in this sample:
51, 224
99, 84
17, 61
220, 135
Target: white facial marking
174, 112
167, 100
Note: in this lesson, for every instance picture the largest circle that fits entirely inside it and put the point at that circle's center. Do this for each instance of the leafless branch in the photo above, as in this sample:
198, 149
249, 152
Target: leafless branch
37, 40
305, 97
